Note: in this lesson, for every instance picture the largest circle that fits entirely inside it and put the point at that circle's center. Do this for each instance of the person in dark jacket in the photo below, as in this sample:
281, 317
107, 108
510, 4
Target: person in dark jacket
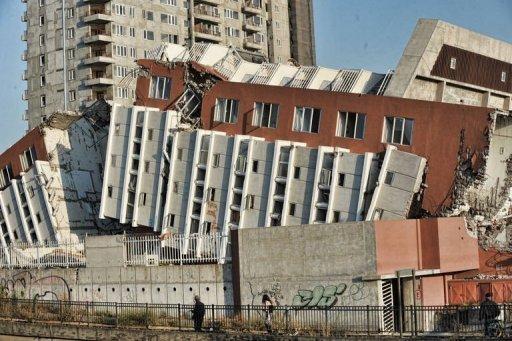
198, 313
268, 306
489, 311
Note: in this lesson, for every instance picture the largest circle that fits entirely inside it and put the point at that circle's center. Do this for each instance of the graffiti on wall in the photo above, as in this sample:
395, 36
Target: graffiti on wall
325, 297
274, 292
24, 284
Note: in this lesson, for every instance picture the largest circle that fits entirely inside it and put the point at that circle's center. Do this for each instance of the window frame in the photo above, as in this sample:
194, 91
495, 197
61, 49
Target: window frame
160, 92
299, 122
388, 135
258, 115
342, 126
225, 117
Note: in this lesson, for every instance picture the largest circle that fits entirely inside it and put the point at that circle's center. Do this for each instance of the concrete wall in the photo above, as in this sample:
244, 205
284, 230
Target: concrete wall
291, 261
106, 279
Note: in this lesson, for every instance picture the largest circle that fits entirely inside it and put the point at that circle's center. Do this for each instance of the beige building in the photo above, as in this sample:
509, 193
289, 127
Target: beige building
103, 39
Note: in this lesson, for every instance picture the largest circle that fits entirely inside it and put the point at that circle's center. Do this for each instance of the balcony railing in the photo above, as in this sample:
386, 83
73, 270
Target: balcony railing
177, 249
206, 11
214, 30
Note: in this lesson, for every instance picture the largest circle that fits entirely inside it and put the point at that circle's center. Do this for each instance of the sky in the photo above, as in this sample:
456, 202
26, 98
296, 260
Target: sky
369, 34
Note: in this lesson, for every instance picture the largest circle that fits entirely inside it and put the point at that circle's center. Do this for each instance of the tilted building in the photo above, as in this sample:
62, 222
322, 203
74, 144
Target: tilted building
88, 58
446, 63
200, 182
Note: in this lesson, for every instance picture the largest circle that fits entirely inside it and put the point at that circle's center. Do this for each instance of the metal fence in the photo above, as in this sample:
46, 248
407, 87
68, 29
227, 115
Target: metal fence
176, 249
335, 321
43, 255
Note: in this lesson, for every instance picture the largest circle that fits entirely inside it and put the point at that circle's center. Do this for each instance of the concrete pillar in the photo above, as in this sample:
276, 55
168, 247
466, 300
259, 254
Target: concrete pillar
440, 91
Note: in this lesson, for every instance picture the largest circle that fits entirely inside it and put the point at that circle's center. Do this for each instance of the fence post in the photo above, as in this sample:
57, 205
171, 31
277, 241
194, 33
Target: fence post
179, 316
87, 312
248, 315
326, 322
368, 319
213, 317
287, 318
147, 316
117, 316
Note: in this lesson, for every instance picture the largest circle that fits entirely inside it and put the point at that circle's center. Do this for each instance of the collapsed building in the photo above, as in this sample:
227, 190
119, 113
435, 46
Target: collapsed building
51, 180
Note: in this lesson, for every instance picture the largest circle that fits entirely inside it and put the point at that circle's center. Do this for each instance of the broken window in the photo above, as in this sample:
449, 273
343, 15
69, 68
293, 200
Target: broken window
306, 120
211, 194
142, 199
226, 110
503, 76
249, 201
42, 101
296, 173
160, 87
146, 166
171, 220
351, 125
341, 179
453, 63
150, 134
336, 216
255, 166
30, 191
265, 115
110, 191
38, 218
398, 130
216, 160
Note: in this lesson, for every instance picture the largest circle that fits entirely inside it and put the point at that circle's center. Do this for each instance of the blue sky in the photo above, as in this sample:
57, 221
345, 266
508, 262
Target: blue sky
368, 34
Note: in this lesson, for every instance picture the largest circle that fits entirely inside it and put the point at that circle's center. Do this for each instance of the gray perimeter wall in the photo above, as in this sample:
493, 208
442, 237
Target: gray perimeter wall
302, 264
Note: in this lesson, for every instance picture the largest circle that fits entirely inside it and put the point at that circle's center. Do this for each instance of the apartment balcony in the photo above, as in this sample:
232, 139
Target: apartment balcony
24, 17
251, 7
253, 25
98, 80
208, 14
211, 33
98, 37
24, 56
253, 43
24, 36
98, 17
24, 75
24, 95
98, 59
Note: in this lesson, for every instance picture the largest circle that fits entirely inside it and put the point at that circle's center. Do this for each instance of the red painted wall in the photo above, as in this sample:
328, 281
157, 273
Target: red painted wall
473, 291
401, 245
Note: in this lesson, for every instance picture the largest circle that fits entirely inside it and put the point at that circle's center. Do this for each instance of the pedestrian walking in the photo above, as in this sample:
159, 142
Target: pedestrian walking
268, 305
198, 313
489, 311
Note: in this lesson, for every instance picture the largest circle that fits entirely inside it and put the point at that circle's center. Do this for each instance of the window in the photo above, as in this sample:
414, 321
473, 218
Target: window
110, 191
30, 191
335, 216
389, 178
41, 20
142, 199
43, 80
216, 160
306, 120
296, 172
175, 187
230, 14
341, 179
453, 63
150, 134
265, 115
120, 50
70, 12
255, 166
148, 15
70, 33
232, 32
42, 101
180, 154
249, 201
72, 95
131, 11
169, 38
41, 40
132, 31
27, 158
133, 52
226, 110
278, 24
292, 209
38, 217
121, 71
503, 76
113, 160
41, 3
119, 9
118, 30
42, 60
71, 53
149, 35
279, 43
168, 2
351, 125
398, 130
169, 19
160, 87
211, 194
171, 220
122, 92
146, 167
117, 129
71, 74
9, 211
